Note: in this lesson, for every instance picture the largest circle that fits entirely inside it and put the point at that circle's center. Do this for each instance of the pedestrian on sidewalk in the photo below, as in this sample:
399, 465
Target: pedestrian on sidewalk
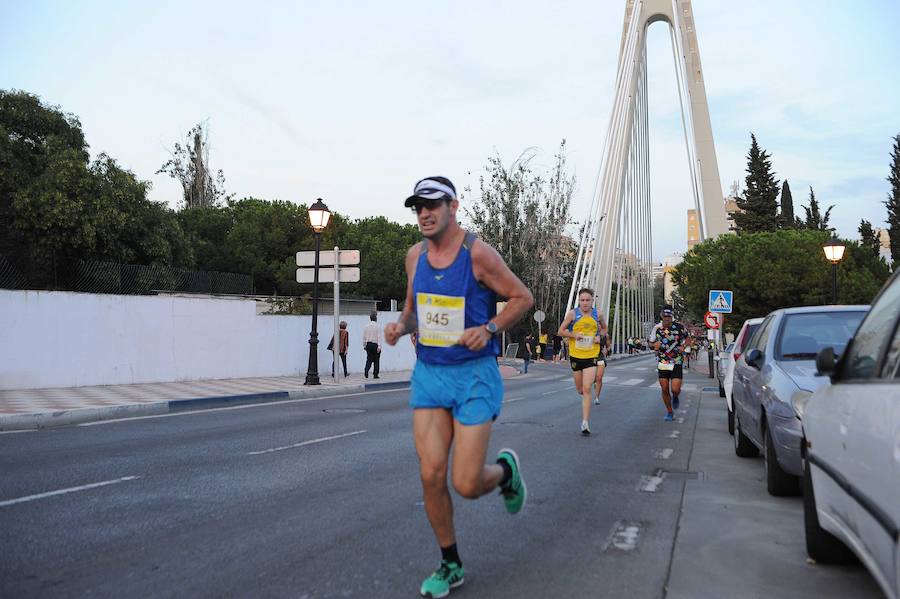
456, 392
372, 345
529, 347
342, 348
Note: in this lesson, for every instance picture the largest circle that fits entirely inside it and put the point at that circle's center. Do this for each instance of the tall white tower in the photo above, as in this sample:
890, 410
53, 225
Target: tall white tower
615, 245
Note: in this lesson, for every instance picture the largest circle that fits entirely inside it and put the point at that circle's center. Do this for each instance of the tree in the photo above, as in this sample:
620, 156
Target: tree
775, 270
524, 216
787, 220
868, 238
758, 204
893, 201
189, 165
383, 245
815, 220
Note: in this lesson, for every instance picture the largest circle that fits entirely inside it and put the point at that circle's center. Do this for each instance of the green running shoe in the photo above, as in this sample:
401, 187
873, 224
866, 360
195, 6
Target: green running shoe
514, 493
448, 576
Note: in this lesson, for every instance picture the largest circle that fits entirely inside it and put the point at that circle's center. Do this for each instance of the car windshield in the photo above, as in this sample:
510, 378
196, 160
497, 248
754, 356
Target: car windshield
730, 347
803, 335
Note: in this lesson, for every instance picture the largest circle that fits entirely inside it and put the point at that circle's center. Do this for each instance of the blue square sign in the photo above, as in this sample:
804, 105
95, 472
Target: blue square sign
720, 301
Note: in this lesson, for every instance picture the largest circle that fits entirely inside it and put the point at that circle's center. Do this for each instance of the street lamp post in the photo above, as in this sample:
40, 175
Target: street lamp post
318, 220
834, 252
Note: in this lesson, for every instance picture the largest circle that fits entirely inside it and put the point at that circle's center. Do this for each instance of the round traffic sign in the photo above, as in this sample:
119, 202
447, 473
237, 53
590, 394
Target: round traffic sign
712, 322
539, 316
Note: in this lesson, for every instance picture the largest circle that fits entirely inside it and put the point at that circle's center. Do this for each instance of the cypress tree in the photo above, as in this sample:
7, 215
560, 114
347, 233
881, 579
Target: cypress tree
814, 218
759, 203
868, 238
893, 201
787, 208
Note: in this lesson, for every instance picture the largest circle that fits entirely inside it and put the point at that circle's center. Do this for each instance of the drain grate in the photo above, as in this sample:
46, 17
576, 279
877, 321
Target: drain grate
344, 410
683, 475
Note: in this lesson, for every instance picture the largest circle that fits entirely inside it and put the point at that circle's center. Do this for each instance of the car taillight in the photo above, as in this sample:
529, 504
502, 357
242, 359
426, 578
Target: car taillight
737, 355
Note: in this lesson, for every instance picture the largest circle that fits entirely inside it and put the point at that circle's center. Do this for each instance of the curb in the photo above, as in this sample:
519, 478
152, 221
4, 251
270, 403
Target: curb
19, 422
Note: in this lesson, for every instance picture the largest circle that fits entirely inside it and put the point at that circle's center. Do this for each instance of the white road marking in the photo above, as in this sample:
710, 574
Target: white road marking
310, 442
664, 454
632, 382
512, 399
674, 434
653, 385
551, 392
65, 491
650, 484
679, 420
625, 536
609, 379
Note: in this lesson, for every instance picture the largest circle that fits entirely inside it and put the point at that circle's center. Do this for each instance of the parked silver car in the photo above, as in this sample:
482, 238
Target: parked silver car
778, 362
851, 475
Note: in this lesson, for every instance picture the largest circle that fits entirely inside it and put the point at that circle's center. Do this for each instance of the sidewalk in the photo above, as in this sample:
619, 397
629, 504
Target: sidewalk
23, 409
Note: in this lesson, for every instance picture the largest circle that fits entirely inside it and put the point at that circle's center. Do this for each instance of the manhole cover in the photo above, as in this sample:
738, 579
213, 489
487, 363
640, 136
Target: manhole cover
343, 410
683, 475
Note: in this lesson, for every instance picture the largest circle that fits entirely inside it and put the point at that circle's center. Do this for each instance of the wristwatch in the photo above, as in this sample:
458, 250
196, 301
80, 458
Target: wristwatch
491, 327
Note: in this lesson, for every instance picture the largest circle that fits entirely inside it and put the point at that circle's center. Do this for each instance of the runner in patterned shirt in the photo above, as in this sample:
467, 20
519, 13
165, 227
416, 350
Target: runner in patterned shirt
669, 338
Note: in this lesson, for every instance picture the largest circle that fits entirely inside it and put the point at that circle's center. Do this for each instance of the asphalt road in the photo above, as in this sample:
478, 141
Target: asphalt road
321, 498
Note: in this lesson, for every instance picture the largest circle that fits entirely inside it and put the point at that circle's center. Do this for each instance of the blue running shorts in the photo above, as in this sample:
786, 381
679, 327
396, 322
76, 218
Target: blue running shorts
472, 391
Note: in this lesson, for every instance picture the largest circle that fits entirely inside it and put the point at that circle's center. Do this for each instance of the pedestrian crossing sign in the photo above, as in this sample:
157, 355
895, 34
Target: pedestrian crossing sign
720, 301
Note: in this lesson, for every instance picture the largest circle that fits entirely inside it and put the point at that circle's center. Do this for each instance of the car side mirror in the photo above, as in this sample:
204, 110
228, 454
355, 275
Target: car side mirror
826, 362
754, 357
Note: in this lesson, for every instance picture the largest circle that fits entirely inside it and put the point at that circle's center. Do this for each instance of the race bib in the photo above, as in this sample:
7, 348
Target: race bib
584, 342
442, 319
666, 366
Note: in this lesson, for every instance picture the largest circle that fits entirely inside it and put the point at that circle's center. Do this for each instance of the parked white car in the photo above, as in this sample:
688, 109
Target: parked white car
851, 448
740, 342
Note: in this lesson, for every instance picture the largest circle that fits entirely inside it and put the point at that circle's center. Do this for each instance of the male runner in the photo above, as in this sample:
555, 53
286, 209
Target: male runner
601, 364
668, 339
456, 390
583, 327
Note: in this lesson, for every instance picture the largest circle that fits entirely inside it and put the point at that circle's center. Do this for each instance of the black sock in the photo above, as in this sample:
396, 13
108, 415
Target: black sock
449, 554
507, 473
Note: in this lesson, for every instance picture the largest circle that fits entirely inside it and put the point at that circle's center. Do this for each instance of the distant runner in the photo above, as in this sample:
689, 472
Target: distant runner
669, 338
601, 364
583, 327
456, 389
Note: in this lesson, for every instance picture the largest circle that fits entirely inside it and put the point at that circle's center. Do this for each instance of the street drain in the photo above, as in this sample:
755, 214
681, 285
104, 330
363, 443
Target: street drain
343, 410
683, 475
524, 423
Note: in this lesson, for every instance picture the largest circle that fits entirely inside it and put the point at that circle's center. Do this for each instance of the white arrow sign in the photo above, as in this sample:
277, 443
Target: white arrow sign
348, 258
326, 275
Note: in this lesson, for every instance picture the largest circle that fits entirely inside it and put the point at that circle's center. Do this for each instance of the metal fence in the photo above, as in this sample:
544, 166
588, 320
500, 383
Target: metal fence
90, 276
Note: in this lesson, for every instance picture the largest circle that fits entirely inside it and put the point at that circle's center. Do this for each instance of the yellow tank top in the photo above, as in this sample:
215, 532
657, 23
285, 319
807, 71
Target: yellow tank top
585, 326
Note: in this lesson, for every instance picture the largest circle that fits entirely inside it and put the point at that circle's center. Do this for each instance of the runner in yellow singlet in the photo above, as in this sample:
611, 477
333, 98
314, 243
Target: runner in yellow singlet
583, 327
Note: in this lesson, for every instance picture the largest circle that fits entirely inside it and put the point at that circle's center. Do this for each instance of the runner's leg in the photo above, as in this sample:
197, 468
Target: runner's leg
666, 396
588, 375
601, 369
433, 433
471, 477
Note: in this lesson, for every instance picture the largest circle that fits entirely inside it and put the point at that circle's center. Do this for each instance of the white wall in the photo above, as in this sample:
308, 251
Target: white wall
62, 339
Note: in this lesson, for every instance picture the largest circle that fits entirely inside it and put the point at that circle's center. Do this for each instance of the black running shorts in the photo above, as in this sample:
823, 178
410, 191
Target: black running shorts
582, 363
675, 373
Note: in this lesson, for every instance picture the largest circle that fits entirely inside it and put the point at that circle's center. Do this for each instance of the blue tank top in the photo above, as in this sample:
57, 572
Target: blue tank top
448, 300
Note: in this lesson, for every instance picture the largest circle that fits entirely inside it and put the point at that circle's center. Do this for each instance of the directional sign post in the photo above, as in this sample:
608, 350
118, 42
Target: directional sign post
331, 270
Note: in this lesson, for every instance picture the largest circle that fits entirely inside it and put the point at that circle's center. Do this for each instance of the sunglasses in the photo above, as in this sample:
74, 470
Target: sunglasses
429, 204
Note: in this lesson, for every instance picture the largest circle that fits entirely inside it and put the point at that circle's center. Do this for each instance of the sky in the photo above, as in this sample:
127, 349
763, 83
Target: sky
353, 101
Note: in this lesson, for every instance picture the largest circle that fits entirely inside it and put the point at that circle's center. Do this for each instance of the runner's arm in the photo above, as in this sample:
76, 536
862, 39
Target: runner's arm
489, 269
564, 327
407, 323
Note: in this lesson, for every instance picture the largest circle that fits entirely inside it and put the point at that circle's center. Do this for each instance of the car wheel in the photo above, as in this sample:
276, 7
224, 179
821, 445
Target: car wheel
730, 420
721, 390
821, 545
778, 482
743, 446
